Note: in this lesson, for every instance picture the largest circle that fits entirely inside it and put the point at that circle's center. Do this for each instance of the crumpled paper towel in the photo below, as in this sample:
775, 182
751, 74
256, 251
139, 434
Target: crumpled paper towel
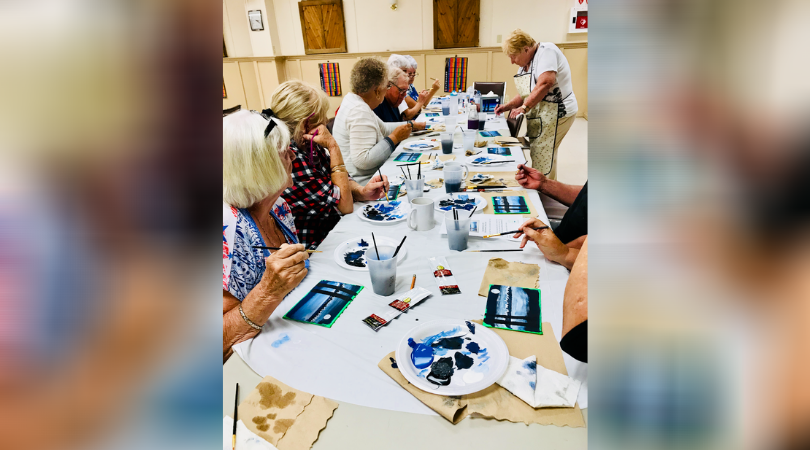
538, 386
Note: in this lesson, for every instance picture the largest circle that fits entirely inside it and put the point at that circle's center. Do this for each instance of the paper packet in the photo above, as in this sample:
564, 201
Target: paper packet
444, 276
402, 303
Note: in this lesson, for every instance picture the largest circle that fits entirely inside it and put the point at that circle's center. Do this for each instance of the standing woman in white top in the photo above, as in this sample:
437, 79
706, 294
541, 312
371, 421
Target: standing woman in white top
365, 141
545, 96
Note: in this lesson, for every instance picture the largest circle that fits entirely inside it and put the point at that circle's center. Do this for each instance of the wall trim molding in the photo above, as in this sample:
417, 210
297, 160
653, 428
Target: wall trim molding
337, 56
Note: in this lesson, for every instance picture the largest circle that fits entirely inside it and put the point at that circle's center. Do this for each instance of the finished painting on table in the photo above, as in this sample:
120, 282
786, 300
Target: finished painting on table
510, 205
513, 308
324, 303
499, 151
407, 157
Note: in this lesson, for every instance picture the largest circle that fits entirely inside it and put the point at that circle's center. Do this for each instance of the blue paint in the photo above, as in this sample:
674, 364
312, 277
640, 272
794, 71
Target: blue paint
451, 343
393, 363
423, 373
531, 365
355, 259
470, 326
463, 361
422, 355
362, 243
284, 338
532, 384
473, 347
383, 212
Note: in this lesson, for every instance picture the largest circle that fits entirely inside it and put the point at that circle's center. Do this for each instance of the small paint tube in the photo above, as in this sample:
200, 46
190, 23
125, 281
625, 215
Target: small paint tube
404, 302
410, 299
444, 276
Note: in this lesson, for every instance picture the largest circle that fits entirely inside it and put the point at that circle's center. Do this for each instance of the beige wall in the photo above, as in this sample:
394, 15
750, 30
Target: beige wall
371, 25
254, 79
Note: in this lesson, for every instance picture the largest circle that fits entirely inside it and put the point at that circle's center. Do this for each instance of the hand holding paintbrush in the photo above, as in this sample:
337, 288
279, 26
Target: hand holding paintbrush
536, 231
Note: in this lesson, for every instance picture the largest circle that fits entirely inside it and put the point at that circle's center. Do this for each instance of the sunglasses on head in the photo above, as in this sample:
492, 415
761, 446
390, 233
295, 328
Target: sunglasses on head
267, 114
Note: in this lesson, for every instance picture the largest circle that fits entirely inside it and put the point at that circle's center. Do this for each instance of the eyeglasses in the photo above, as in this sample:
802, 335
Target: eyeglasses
401, 91
267, 114
415, 74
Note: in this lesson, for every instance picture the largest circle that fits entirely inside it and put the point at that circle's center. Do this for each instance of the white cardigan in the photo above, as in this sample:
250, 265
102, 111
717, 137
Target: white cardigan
360, 134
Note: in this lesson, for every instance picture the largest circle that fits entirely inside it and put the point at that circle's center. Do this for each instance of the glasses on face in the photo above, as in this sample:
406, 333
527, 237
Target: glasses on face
413, 75
401, 91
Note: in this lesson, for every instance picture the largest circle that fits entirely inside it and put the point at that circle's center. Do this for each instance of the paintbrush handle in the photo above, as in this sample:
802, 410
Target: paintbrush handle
513, 232
279, 248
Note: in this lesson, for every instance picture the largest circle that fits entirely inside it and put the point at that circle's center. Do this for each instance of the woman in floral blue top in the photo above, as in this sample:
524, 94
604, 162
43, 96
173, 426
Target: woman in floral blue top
256, 170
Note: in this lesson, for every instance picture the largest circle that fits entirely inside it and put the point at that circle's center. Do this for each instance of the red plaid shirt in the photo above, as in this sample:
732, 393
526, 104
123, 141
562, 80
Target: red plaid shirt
312, 197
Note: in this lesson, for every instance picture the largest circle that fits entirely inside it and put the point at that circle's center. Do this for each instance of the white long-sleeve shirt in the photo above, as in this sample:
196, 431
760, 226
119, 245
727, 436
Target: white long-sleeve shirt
361, 136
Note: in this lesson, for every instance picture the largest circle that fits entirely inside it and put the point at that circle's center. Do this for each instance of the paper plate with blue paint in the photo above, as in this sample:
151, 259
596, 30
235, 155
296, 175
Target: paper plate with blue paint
486, 160
460, 201
452, 357
423, 145
385, 212
351, 254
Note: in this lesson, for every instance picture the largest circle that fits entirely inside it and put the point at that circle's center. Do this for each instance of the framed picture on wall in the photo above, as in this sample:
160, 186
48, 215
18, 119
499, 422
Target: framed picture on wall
224, 93
255, 18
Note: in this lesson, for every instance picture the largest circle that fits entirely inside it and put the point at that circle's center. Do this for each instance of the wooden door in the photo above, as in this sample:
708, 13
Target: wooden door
322, 26
456, 23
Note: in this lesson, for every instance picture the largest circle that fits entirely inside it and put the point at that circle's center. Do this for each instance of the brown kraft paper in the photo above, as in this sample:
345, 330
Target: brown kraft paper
496, 402
506, 273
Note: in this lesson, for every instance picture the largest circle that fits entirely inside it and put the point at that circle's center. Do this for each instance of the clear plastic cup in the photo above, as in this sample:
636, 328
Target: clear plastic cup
453, 178
458, 231
445, 106
447, 143
482, 120
469, 139
383, 271
415, 188
450, 123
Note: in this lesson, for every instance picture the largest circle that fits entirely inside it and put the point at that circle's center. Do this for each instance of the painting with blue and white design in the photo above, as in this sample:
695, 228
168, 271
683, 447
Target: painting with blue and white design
324, 303
513, 308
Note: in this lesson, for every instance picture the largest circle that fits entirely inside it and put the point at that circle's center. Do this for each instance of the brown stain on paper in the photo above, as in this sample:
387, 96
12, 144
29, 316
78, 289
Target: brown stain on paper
264, 427
259, 420
271, 396
271, 416
499, 263
282, 425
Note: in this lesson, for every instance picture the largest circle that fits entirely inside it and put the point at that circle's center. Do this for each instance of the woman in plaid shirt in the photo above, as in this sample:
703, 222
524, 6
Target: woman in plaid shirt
322, 189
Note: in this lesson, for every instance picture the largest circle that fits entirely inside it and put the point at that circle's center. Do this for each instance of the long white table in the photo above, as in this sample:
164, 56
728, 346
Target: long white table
341, 362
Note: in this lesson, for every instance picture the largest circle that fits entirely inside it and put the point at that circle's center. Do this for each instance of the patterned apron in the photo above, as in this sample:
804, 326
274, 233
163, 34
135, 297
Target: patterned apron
541, 123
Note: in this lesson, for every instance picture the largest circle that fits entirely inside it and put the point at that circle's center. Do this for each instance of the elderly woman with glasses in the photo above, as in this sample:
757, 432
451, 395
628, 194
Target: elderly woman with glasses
322, 188
389, 109
366, 141
414, 101
256, 170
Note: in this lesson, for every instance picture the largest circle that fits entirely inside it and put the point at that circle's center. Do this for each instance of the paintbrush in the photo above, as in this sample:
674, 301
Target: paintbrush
409, 171
235, 416
413, 281
497, 162
403, 172
375, 246
279, 248
512, 232
501, 250
399, 246
473, 211
419, 173
386, 191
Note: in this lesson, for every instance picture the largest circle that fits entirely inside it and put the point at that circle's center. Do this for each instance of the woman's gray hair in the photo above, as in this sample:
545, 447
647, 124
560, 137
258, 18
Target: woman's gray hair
394, 75
367, 74
400, 62
412, 61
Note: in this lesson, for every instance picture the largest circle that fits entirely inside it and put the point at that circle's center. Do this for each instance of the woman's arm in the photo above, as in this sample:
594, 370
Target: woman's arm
575, 298
544, 82
234, 328
367, 153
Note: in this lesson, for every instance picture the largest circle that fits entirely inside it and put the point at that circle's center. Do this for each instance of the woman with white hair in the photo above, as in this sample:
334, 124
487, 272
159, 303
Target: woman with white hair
256, 170
366, 141
414, 102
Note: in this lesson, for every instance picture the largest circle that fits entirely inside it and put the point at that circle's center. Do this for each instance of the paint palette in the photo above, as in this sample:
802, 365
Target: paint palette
452, 357
487, 160
384, 212
351, 254
423, 144
462, 202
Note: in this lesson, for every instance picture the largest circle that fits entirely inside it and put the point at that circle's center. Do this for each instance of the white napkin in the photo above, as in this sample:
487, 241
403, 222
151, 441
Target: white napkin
538, 386
245, 439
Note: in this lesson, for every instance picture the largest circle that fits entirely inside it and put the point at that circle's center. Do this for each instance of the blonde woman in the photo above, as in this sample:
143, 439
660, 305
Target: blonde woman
256, 170
322, 189
545, 96
365, 140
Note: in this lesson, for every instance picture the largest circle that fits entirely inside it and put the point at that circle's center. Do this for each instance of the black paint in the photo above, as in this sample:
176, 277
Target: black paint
355, 258
441, 371
470, 326
393, 363
463, 361
451, 343
473, 347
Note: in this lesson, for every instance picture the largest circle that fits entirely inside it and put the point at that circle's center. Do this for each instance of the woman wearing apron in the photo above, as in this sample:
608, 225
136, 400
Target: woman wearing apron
545, 96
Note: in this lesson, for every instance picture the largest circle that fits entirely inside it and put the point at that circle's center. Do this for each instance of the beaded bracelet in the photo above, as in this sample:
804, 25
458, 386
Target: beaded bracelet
248, 321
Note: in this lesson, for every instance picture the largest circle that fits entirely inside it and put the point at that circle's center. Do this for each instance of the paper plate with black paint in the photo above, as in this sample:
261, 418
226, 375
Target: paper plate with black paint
351, 254
394, 211
452, 357
462, 202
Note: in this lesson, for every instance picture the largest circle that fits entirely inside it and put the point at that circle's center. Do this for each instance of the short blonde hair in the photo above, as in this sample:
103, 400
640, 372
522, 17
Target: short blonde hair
252, 168
296, 100
517, 41
367, 74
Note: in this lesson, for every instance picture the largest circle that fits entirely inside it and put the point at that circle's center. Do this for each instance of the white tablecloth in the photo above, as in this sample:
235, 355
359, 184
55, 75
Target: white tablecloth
341, 362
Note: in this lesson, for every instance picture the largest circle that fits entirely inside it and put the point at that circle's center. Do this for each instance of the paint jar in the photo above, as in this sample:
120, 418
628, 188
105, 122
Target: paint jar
446, 106
414, 188
482, 120
458, 231
447, 143
382, 270
469, 139
454, 175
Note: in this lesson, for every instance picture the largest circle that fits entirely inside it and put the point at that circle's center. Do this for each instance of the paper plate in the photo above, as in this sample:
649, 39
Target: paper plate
452, 357
460, 204
487, 160
384, 212
354, 250
423, 145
